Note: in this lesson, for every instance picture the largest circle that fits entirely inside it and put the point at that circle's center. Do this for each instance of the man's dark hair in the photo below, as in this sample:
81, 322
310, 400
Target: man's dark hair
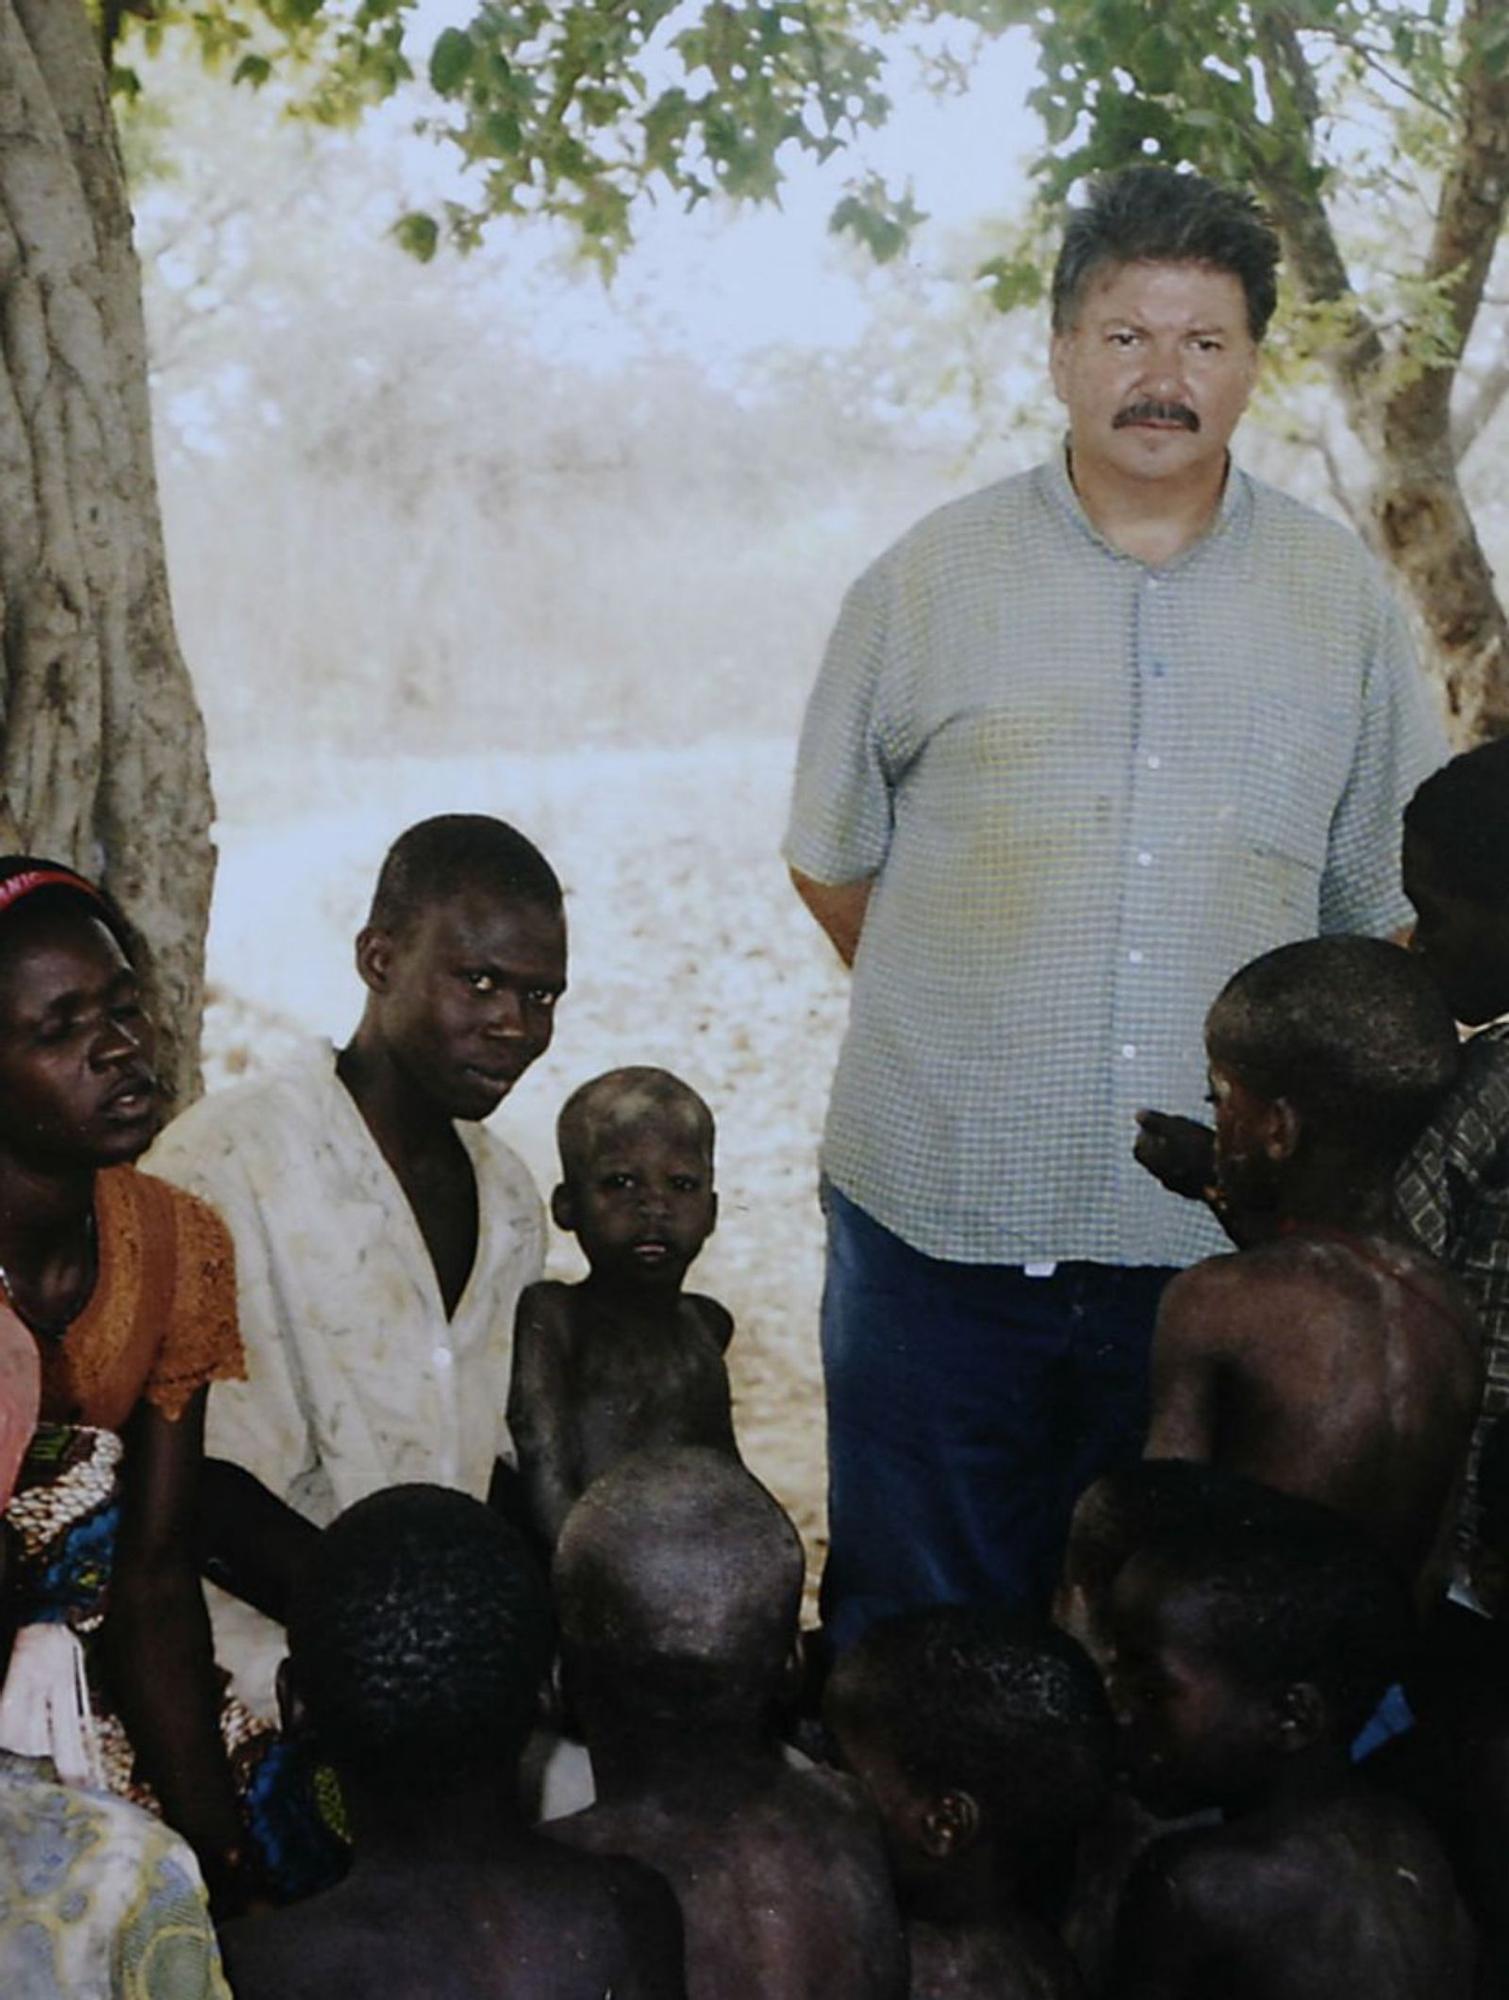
419, 1637
1157, 215
1353, 1031
1461, 814
991, 1702
443, 857
1307, 1598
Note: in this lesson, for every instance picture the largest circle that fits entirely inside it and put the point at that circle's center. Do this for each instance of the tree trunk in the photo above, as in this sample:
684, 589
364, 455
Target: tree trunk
103, 762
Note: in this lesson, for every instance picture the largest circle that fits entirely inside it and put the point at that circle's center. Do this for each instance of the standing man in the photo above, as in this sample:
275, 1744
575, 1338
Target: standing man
382, 1234
1082, 744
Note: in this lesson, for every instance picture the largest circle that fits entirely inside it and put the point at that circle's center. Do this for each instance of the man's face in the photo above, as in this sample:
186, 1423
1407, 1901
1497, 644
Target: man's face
1155, 371
1465, 945
77, 1087
642, 1205
466, 995
1190, 1734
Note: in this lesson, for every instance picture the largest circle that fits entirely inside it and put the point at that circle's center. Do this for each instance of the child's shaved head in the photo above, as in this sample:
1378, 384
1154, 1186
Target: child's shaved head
1351, 1030
622, 1100
678, 1581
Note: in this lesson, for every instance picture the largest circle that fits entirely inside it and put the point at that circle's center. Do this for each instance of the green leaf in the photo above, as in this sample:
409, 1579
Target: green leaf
451, 60
417, 233
254, 70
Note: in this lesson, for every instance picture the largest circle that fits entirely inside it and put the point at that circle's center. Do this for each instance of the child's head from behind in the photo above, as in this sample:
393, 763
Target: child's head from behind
1238, 1647
1122, 1511
1456, 874
1341, 1043
636, 1150
418, 1640
678, 1581
969, 1724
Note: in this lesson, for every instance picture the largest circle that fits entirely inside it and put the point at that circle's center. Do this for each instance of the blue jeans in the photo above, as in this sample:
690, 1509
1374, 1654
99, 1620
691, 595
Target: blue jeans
968, 1407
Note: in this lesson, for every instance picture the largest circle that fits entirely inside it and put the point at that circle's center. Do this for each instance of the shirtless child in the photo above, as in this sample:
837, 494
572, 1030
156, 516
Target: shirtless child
1332, 1358
1245, 1662
678, 1581
625, 1360
985, 1741
419, 1637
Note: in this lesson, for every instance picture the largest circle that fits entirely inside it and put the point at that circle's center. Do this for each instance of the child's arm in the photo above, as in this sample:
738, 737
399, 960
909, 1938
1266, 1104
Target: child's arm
250, 1542
1181, 1156
540, 1417
715, 1320
1186, 1365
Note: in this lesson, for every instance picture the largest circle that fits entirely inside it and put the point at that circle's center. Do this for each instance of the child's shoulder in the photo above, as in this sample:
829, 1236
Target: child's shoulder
709, 1317
546, 1307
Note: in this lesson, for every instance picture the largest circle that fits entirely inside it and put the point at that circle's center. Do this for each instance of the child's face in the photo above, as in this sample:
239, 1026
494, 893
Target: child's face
1191, 1735
1465, 944
900, 1805
1245, 1171
643, 1204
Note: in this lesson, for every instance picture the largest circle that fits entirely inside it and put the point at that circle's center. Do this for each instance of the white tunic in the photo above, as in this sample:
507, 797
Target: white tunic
356, 1379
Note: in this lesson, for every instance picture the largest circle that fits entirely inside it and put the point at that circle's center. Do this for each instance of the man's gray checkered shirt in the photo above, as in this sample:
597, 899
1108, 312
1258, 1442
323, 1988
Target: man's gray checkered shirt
1088, 790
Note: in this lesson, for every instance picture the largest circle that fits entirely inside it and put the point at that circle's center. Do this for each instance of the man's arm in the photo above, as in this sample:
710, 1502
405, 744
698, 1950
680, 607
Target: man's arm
1186, 1367
839, 909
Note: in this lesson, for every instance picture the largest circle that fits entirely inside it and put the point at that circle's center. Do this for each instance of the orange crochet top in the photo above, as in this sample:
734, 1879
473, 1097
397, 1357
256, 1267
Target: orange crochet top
161, 1321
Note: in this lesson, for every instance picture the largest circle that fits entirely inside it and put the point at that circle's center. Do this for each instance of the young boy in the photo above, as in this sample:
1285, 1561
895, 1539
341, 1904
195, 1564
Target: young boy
678, 1581
625, 1360
419, 1637
1332, 1358
1246, 1660
985, 1742
382, 1233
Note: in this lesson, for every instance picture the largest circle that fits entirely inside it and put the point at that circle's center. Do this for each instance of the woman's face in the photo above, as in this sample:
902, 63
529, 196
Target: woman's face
77, 1086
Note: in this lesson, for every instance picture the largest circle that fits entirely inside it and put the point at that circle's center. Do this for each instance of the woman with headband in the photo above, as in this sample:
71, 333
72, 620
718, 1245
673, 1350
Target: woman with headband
127, 1286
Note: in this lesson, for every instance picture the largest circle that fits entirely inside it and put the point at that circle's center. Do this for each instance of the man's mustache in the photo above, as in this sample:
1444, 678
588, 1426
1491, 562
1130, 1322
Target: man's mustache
1149, 411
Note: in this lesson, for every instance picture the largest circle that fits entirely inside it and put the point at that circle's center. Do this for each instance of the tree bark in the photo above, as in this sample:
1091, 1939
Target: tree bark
1418, 517
103, 762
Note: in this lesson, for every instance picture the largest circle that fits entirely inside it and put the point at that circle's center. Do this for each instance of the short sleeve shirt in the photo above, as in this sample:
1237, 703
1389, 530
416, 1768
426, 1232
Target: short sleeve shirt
1087, 791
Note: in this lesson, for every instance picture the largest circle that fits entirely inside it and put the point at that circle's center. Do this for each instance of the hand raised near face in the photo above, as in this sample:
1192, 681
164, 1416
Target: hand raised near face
1178, 1152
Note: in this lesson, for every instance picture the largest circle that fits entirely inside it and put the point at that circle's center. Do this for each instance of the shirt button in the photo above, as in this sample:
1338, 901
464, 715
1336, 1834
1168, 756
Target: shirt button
1129, 1049
1144, 859
1135, 957
1155, 763
443, 1357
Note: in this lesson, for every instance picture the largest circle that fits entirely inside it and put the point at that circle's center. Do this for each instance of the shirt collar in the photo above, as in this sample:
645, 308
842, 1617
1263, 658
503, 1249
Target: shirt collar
1235, 506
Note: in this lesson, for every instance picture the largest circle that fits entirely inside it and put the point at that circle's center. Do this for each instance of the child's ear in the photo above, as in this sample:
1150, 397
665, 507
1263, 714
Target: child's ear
563, 1208
1284, 1130
374, 957
1302, 1716
949, 1825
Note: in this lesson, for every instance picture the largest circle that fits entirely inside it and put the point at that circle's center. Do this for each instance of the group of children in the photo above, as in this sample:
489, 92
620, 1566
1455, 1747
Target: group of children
1261, 1746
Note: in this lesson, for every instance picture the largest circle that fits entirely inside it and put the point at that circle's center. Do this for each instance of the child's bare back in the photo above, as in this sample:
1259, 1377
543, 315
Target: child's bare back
1337, 1366
1348, 1895
780, 1875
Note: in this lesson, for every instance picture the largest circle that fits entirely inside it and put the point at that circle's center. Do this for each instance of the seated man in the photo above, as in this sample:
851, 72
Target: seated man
985, 1742
1332, 1358
1245, 1662
625, 1359
98, 1900
382, 1236
420, 1634
678, 1581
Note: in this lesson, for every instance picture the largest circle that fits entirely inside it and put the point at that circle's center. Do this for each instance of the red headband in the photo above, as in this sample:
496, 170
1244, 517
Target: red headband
15, 887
